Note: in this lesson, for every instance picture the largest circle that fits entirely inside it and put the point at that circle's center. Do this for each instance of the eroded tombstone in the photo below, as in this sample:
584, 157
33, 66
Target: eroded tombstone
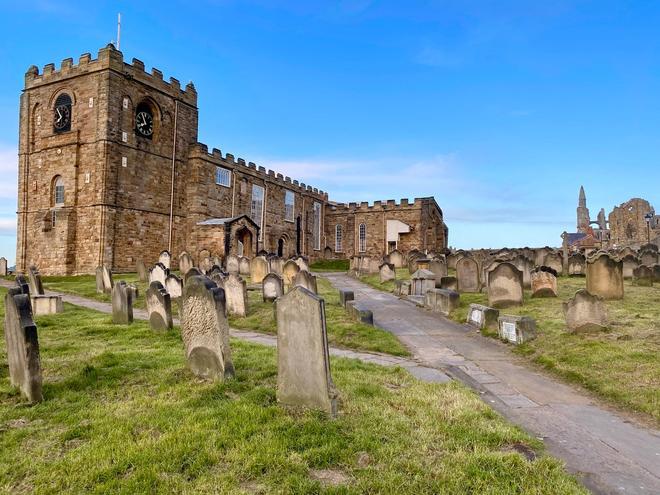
554, 261
159, 307
345, 296
585, 312
276, 265
185, 263
122, 304
605, 276
301, 262
447, 283
402, 287
386, 272
100, 284
165, 258
439, 268
516, 329
307, 280
34, 277
441, 300
141, 270
360, 313
643, 276
3, 267
630, 262
205, 330
467, 274
174, 286
505, 286
289, 272
576, 265
232, 264
236, 295
158, 273
22, 345
483, 317
259, 268
544, 282
244, 266
206, 263
46, 305
272, 287
397, 259
303, 362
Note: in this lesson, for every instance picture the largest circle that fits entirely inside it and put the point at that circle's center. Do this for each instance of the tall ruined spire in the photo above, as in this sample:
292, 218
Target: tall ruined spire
583, 220
582, 201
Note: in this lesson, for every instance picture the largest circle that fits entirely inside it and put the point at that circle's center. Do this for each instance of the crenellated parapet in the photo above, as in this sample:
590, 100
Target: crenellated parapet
109, 58
385, 205
215, 156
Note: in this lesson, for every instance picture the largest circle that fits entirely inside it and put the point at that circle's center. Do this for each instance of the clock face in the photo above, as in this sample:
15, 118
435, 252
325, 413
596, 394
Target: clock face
144, 123
62, 117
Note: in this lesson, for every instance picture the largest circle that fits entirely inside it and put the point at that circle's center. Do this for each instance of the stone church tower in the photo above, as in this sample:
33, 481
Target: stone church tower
583, 220
101, 146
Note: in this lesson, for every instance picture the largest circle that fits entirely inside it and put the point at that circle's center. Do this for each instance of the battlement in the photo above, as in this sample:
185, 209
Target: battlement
109, 58
200, 150
385, 205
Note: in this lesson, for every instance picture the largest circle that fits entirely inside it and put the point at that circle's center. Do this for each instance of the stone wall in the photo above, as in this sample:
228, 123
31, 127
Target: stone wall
628, 226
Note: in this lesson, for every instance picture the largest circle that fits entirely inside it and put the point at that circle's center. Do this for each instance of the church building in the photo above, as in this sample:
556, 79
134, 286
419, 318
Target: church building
111, 172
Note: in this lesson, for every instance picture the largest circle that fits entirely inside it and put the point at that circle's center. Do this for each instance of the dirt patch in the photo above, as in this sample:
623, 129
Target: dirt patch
253, 487
522, 449
329, 477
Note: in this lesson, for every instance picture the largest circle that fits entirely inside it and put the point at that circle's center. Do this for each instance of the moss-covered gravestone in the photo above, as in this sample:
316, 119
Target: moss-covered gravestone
159, 307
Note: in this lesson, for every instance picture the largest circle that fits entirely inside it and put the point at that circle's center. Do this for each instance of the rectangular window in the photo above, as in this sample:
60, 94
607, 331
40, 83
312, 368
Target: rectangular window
362, 233
59, 194
338, 239
257, 204
317, 226
289, 204
222, 176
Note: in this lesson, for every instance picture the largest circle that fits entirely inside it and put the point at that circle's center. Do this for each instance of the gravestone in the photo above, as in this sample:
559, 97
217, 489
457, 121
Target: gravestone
141, 270
421, 281
236, 295
525, 265
205, 330
289, 272
630, 262
656, 273
452, 259
301, 262
386, 272
276, 265
544, 282
258, 269
345, 296
553, 260
159, 307
122, 304
165, 258
272, 287
505, 286
22, 284
108, 282
244, 266
46, 305
3, 267
648, 257
441, 300
439, 268
34, 277
158, 273
643, 276
174, 286
402, 287
397, 259
303, 362
516, 329
206, 263
605, 276
359, 313
483, 317
232, 264
585, 313
576, 265
467, 275
185, 263
100, 285
447, 283
306, 280
22, 345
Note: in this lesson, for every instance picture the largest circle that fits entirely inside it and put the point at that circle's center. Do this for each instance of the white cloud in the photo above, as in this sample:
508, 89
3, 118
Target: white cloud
8, 226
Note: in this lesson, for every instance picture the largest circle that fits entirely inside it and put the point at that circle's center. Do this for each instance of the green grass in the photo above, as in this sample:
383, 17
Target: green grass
374, 280
342, 330
330, 266
85, 286
621, 365
122, 414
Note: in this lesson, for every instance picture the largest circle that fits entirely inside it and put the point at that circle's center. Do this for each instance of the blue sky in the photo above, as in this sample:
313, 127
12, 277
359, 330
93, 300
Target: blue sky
498, 109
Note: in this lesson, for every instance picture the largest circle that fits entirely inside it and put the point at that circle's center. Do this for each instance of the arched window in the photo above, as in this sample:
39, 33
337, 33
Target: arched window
58, 191
62, 113
338, 239
363, 238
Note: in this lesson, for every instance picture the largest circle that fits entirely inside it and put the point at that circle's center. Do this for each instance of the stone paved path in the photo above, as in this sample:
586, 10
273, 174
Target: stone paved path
608, 452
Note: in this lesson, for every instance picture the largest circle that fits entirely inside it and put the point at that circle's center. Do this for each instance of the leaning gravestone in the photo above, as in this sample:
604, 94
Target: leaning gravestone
272, 287
158, 273
36, 287
174, 286
505, 286
585, 313
306, 280
303, 362
544, 282
605, 276
22, 345
386, 272
554, 261
122, 303
204, 329
467, 274
483, 317
232, 264
516, 329
244, 265
159, 307
100, 285
108, 282
3, 267
258, 269
141, 269
185, 263
643, 276
236, 295
165, 258
289, 272
22, 284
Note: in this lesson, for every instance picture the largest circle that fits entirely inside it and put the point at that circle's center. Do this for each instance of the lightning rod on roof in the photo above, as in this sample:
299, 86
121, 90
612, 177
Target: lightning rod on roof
118, 29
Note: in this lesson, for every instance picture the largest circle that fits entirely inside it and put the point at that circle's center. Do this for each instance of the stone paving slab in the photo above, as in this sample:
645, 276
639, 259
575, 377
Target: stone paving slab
609, 452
